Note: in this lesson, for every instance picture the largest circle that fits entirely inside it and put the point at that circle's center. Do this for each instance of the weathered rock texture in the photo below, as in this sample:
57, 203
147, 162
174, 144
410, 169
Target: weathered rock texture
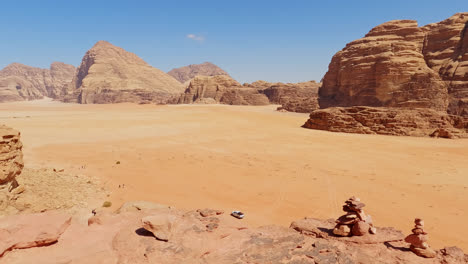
20, 82
294, 97
446, 52
221, 89
109, 74
11, 164
398, 64
194, 238
186, 73
11, 155
28, 231
389, 121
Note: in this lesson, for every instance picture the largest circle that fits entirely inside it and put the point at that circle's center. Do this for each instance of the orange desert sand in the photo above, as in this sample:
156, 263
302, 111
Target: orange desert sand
250, 158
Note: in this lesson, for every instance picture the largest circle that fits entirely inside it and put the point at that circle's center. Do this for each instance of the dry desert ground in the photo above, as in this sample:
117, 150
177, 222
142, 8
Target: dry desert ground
249, 158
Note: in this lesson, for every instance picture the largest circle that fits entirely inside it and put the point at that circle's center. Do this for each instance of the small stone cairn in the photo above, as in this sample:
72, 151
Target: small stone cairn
355, 222
418, 240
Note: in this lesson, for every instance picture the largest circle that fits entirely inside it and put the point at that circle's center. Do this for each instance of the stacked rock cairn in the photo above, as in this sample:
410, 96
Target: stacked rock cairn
355, 222
418, 240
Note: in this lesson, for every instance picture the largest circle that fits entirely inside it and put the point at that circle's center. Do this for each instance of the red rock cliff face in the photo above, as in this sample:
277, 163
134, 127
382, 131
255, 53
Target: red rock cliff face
446, 52
398, 64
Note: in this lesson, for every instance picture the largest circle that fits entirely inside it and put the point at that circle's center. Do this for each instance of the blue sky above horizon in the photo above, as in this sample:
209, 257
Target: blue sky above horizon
286, 41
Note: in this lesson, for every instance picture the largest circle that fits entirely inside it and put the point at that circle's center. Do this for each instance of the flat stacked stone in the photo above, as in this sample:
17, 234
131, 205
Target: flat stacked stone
418, 240
355, 221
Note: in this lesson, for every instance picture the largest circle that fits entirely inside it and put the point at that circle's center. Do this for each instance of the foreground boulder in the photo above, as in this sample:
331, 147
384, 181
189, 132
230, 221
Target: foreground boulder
20, 82
204, 236
221, 89
109, 74
388, 121
398, 64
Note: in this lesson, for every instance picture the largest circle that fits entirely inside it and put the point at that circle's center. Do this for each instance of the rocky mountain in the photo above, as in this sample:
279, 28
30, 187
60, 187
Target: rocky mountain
186, 73
109, 74
221, 89
398, 64
21, 82
143, 232
406, 70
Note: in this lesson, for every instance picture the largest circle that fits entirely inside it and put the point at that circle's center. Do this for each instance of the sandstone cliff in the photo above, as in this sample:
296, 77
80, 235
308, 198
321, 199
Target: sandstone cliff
21, 82
398, 64
186, 73
221, 89
446, 52
404, 69
109, 74
385, 68
152, 233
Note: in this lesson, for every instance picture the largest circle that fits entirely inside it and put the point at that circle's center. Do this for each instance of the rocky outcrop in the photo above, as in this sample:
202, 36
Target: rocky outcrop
109, 74
11, 164
389, 121
221, 89
294, 97
385, 68
402, 68
11, 155
21, 82
186, 73
176, 236
398, 64
446, 52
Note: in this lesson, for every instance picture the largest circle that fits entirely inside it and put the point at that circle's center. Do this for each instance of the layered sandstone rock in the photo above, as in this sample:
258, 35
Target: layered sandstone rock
446, 52
21, 82
388, 121
222, 89
294, 97
187, 73
385, 68
11, 155
109, 74
399, 65
11, 164
193, 238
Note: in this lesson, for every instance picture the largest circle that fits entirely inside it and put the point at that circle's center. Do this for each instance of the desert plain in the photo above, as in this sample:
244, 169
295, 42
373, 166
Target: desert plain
249, 158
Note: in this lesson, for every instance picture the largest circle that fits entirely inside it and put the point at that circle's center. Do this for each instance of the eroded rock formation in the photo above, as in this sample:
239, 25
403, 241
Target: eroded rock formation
163, 235
398, 64
109, 74
294, 97
221, 89
186, 73
21, 82
416, 75
11, 163
389, 121
11, 155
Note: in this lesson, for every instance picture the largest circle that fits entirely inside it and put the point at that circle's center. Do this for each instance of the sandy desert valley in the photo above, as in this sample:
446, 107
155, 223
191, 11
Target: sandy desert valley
118, 162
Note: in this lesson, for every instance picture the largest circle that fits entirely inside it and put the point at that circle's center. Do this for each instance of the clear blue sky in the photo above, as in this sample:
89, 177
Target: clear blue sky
285, 41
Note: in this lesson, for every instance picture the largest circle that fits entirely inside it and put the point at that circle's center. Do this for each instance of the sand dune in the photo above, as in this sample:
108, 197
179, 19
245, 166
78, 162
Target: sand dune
250, 158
